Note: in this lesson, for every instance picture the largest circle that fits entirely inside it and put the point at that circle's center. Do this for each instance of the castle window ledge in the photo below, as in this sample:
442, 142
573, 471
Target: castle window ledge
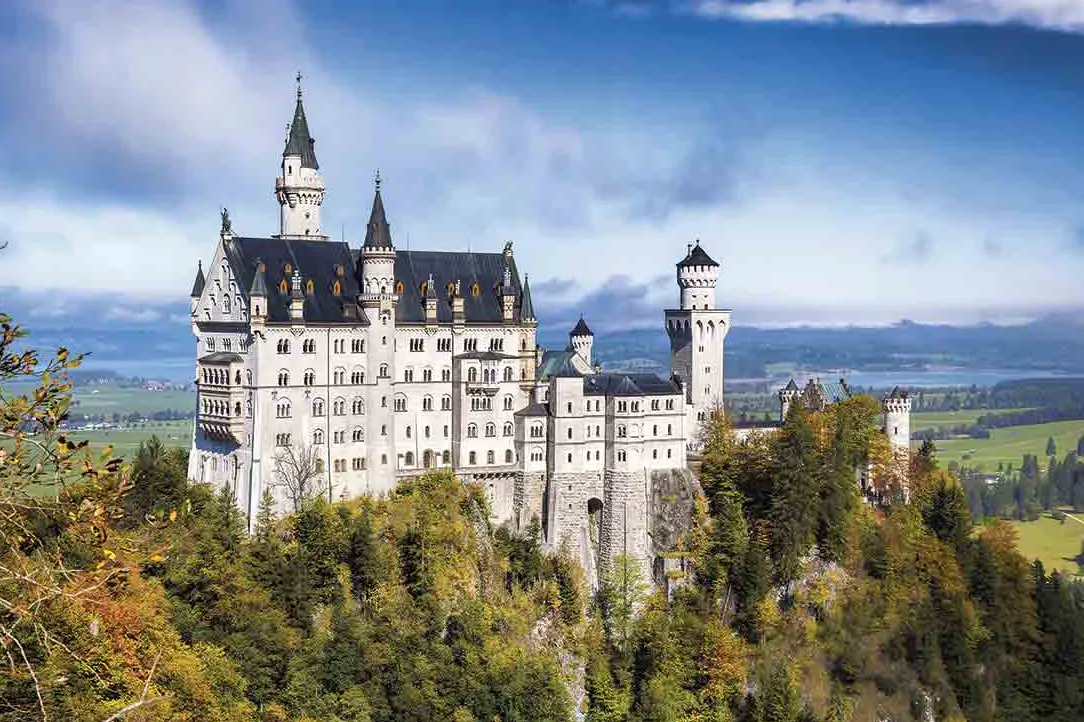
488, 388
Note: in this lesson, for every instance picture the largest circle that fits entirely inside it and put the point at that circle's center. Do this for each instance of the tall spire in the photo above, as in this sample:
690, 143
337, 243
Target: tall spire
198, 286
526, 308
259, 281
378, 233
299, 142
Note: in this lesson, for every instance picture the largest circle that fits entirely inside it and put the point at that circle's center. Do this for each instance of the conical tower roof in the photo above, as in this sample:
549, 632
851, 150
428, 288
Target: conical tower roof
259, 281
581, 329
300, 142
200, 283
378, 232
526, 307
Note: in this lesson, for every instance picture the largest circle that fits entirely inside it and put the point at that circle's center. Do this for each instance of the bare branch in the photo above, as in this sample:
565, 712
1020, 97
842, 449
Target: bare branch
297, 471
135, 705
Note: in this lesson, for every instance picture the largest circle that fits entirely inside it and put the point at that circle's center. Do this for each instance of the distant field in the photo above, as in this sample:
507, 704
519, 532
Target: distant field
947, 419
127, 441
1009, 445
110, 399
1055, 544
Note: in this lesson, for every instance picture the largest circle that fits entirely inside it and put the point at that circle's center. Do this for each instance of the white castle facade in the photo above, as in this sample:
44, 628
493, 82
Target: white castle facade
379, 363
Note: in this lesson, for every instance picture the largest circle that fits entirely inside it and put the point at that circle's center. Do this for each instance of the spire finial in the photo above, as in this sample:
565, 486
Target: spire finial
298, 79
376, 180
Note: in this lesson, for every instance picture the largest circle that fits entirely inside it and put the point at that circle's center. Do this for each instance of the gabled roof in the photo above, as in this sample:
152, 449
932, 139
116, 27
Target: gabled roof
200, 283
558, 363
321, 261
378, 232
696, 257
791, 386
581, 329
299, 141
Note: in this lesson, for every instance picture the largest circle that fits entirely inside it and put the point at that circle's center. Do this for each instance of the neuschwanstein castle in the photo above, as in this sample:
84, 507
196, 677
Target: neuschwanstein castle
380, 363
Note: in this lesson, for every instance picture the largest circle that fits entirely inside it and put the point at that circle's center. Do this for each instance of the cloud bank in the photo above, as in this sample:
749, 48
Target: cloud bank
1065, 15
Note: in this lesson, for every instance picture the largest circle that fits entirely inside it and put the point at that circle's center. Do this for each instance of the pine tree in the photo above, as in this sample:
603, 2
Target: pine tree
796, 488
604, 700
1051, 447
362, 558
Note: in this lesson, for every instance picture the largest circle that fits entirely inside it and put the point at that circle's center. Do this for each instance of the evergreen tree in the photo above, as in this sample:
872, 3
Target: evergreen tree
796, 487
1051, 447
362, 557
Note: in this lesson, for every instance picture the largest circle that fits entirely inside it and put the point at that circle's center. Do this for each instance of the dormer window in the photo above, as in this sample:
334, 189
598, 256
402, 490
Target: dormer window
475, 289
288, 269
336, 288
399, 287
283, 288
309, 288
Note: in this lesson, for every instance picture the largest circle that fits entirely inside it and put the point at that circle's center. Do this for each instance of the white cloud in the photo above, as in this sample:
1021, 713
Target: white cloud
1057, 14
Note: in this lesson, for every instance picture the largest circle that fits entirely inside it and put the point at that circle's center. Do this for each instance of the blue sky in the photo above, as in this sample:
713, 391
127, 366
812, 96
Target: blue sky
844, 160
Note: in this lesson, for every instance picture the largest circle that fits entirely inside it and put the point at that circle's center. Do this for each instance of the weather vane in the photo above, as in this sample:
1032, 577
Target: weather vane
298, 83
376, 179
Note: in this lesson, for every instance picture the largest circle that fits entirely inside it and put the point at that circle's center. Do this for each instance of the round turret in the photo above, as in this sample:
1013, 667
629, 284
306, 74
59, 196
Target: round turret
896, 408
697, 275
582, 339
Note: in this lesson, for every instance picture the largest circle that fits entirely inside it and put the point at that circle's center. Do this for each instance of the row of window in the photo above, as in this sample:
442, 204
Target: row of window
356, 434
622, 455
219, 377
489, 376
624, 406
491, 430
216, 407
491, 457
444, 345
227, 344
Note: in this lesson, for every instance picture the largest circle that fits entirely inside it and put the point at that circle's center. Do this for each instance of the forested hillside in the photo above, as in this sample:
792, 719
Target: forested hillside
128, 594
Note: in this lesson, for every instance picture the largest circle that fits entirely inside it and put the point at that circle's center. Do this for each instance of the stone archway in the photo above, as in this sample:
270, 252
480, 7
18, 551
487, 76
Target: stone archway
595, 508
427, 459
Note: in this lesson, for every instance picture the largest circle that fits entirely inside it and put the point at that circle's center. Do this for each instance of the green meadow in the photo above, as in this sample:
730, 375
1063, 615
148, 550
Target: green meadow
1008, 445
1056, 544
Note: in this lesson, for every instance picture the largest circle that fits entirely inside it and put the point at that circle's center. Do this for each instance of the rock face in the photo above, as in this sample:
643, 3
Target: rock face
671, 501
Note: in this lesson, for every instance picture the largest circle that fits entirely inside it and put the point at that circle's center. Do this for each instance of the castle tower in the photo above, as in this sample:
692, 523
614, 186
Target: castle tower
896, 408
197, 287
299, 189
697, 330
378, 298
581, 340
787, 396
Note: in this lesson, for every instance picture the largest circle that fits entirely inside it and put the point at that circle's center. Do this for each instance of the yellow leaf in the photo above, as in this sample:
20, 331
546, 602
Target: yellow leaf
173, 515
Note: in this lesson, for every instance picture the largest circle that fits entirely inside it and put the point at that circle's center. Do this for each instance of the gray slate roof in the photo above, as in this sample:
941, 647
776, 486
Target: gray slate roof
299, 141
220, 357
526, 307
534, 409
697, 257
316, 259
200, 283
378, 232
581, 329
413, 268
897, 393
629, 385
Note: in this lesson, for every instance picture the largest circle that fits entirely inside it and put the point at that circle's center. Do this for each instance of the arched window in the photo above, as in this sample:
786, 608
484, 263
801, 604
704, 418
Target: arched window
427, 403
408, 375
445, 403
357, 407
473, 458
446, 457
536, 431
318, 436
475, 289
491, 429
383, 371
358, 434
338, 407
508, 456
399, 287
490, 457
318, 407
507, 373
282, 409
472, 431
357, 376
445, 374
237, 409
310, 377
472, 375
283, 288
508, 428
508, 403
408, 459
283, 345
427, 375
225, 304
408, 432
284, 378
400, 403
